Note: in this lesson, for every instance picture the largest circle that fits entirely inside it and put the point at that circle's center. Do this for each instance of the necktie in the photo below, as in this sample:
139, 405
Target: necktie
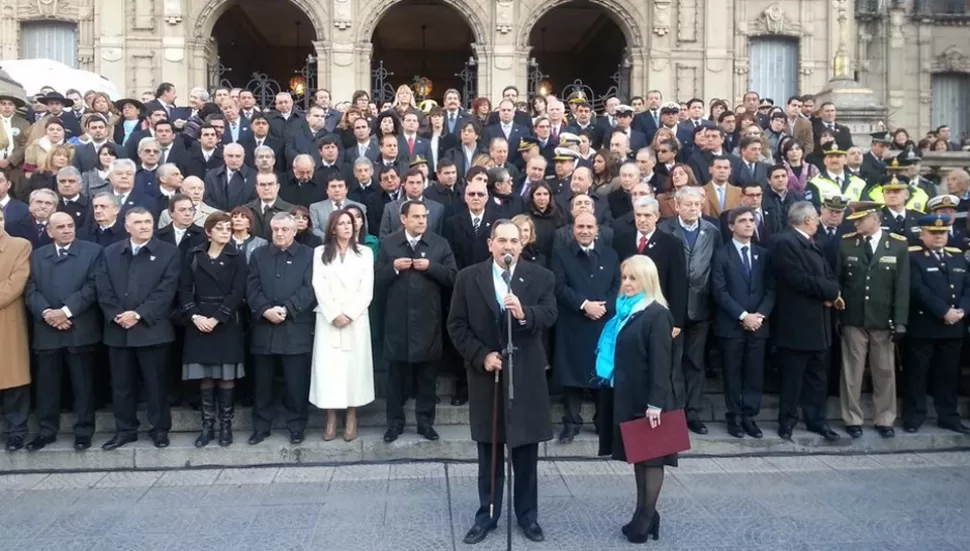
868, 251
61, 252
899, 219
414, 244
136, 250
451, 122
40, 228
751, 168
838, 182
642, 246
338, 206
720, 196
696, 124
259, 143
830, 231
555, 134
656, 119
745, 260
164, 156
476, 223
411, 146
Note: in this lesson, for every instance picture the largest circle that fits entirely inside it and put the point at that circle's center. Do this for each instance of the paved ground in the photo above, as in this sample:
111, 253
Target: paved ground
857, 503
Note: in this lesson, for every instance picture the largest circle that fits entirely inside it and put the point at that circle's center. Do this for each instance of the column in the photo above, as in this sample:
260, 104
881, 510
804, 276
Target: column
503, 66
109, 44
175, 52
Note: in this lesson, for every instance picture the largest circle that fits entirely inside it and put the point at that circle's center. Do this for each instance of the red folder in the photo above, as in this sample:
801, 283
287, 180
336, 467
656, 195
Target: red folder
642, 442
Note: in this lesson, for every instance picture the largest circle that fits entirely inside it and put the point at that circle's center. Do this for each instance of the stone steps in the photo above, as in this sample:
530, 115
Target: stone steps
184, 419
454, 445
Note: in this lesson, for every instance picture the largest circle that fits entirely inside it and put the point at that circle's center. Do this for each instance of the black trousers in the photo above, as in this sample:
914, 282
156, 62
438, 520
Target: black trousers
15, 405
743, 366
525, 486
50, 369
151, 362
694, 342
934, 365
572, 405
396, 392
803, 381
296, 390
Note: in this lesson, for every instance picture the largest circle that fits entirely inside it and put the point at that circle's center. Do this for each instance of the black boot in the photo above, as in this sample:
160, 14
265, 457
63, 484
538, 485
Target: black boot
226, 411
208, 410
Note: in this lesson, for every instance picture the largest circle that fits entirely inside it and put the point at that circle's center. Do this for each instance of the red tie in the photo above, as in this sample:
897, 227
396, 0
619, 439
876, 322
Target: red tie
643, 244
410, 146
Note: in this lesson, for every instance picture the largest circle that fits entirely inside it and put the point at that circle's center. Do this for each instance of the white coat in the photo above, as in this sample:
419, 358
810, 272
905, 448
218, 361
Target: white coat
342, 375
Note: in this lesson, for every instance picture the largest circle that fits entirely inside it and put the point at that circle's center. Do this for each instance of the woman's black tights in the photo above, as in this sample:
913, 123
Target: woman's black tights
649, 481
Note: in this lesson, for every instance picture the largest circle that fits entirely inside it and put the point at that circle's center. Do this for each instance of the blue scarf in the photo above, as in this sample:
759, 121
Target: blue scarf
606, 347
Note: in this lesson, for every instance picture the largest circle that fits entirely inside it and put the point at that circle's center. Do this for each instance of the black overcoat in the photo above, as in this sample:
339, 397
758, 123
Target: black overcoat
477, 327
412, 298
66, 281
147, 284
804, 281
213, 288
281, 278
581, 277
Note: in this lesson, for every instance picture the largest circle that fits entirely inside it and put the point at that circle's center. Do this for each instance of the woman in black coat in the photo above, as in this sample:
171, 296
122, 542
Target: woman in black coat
637, 343
546, 217
211, 290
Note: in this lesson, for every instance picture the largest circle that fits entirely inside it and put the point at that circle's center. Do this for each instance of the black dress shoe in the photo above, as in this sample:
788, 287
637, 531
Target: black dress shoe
751, 428
955, 426
533, 532
911, 428
14, 443
568, 433
39, 442
855, 431
696, 426
82, 443
296, 437
784, 431
160, 439
826, 432
477, 533
119, 440
735, 430
428, 432
258, 437
885, 432
460, 398
391, 434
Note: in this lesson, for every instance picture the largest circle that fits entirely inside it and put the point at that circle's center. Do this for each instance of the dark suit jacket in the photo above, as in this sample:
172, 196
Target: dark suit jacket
241, 190
872, 169
843, 136
667, 252
453, 199
93, 233
196, 163
644, 123
26, 228
79, 209
685, 135
457, 154
761, 236
446, 143
421, 147
495, 131
519, 118
736, 292
803, 282
468, 247
281, 278
352, 153
85, 157
15, 212
302, 141
66, 281
146, 284
194, 236
244, 131
740, 174
272, 142
281, 128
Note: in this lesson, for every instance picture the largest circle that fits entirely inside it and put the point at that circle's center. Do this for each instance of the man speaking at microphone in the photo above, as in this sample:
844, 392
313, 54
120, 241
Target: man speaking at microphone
484, 295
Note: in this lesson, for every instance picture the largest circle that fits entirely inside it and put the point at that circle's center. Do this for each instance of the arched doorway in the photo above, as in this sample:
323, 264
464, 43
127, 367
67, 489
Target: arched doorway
578, 46
266, 47
423, 38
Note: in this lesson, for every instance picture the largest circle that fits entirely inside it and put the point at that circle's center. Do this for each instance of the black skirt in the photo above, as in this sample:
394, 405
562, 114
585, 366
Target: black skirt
610, 439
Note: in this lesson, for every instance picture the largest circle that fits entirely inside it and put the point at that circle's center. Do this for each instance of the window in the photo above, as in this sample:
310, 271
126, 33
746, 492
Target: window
951, 98
773, 72
54, 40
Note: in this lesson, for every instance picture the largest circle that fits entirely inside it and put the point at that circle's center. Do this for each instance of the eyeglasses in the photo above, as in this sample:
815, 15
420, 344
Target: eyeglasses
475, 193
155, 151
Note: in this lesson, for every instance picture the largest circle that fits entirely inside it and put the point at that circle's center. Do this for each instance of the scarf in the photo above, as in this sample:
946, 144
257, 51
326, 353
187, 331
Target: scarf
606, 347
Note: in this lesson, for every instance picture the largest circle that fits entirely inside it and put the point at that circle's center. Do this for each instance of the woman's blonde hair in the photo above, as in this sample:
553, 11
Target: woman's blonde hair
62, 149
525, 219
483, 160
403, 88
645, 271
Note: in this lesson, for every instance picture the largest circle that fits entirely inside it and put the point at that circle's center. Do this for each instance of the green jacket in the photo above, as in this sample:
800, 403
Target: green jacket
876, 294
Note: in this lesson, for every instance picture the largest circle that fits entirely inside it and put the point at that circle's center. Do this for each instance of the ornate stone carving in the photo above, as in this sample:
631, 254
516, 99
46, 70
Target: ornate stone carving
504, 16
203, 20
111, 54
774, 20
342, 17
377, 9
142, 15
47, 8
68, 10
952, 60
172, 10
661, 17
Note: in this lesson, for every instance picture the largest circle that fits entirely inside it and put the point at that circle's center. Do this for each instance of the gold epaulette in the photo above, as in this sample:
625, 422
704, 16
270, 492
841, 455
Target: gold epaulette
953, 250
848, 235
916, 248
897, 237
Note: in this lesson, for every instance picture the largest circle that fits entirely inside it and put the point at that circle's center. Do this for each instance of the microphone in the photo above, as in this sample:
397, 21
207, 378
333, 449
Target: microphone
507, 259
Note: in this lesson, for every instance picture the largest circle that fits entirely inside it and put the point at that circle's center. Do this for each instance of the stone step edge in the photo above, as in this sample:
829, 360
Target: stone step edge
454, 445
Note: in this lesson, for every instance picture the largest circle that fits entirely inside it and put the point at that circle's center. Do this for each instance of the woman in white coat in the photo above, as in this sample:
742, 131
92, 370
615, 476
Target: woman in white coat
343, 367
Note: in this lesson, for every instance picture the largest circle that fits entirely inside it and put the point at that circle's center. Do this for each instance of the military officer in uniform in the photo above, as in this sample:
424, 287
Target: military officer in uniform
834, 180
917, 198
873, 166
947, 205
939, 301
566, 160
896, 216
873, 272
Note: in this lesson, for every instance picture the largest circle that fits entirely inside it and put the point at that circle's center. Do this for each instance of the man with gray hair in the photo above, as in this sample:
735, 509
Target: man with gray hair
806, 289
280, 295
105, 226
233, 184
41, 204
169, 183
69, 191
700, 240
121, 177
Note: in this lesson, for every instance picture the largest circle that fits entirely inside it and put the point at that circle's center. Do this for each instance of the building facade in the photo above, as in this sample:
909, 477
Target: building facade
915, 54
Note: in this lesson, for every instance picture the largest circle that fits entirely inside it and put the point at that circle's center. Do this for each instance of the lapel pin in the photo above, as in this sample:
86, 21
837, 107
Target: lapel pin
151, 258
521, 280
756, 257
289, 262
422, 254
652, 243
222, 264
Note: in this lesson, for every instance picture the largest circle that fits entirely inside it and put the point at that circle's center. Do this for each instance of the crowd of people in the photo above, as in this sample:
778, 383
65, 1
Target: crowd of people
222, 245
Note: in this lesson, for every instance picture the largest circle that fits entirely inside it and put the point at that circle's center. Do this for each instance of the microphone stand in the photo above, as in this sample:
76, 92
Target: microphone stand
509, 354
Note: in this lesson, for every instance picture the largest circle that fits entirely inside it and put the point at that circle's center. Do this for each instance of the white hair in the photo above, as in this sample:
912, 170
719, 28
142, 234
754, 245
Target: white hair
689, 191
43, 191
119, 164
200, 93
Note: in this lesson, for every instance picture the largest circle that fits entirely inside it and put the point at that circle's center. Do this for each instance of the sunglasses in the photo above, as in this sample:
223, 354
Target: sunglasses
475, 193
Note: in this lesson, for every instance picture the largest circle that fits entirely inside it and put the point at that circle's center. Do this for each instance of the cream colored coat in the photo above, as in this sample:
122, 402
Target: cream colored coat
342, 375
14, 345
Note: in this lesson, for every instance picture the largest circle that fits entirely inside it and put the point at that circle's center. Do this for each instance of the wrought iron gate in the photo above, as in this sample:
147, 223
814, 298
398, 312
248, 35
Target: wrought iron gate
469, 81
381, 90
538, 85
308, 74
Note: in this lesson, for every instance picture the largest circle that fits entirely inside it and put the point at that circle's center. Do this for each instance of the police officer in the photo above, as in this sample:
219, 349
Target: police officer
947, 205
940, 299
834, 180
565, 160
873, 272
895, 175
896, 217
873, 163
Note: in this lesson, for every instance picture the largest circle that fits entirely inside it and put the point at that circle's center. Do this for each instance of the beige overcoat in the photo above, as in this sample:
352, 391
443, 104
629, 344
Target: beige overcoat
14, 345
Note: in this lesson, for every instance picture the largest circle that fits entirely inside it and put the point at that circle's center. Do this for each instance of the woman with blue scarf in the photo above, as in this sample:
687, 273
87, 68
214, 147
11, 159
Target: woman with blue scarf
633, 360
